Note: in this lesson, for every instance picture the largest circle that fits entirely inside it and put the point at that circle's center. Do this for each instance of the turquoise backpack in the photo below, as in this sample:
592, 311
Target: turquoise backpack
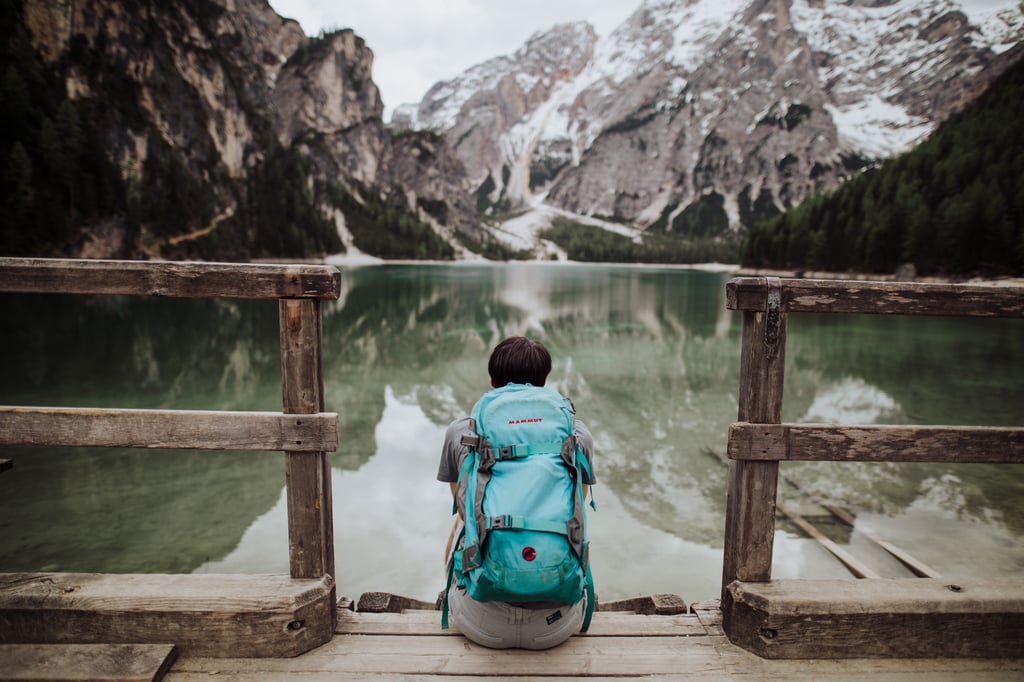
520, 492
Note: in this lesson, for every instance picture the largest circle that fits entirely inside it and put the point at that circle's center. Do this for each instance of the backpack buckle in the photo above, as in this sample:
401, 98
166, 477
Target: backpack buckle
501, 522
507, 452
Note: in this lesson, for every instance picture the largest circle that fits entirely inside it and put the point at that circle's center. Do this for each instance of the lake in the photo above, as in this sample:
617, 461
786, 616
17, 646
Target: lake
649, 356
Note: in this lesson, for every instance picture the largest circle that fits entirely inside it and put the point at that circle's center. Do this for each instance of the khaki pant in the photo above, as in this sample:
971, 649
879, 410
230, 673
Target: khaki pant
502, 626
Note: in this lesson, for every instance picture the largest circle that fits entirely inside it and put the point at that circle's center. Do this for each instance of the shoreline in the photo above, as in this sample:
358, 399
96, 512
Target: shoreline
363, 260
360, 260
871, 277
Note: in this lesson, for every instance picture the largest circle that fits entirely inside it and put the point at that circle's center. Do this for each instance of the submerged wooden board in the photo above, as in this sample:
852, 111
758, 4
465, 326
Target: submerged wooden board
93, 662
209, 615
915, 617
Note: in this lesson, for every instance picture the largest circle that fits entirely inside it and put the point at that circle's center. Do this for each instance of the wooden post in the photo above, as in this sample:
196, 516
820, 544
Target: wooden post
310, 510
750, 505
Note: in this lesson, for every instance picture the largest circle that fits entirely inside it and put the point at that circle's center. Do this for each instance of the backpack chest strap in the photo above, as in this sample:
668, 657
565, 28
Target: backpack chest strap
509, 522
489, 453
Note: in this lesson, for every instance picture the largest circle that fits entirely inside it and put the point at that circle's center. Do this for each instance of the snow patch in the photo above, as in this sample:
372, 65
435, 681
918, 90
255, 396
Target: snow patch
877, 128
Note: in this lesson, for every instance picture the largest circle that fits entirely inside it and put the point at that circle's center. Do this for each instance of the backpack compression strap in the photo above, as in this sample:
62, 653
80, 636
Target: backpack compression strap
508, 522
490, 454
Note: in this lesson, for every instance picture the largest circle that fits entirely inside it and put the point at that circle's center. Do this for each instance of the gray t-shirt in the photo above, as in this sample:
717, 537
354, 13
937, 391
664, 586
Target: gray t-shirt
453, 451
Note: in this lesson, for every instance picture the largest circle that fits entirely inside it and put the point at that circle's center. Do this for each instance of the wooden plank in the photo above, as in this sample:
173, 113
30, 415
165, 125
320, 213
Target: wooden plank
176, 279
207, 615
346, 676
900, 298
604, 624
732, 664
386, 602
915, 617
875, 443
749, 668
397, 654
744, 665
390, 656
709, 614
753, 486
310, 505
648, 605
855, 566
70, 662
202, 430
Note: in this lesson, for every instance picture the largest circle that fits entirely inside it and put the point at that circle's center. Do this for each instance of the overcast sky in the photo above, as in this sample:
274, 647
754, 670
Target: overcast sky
419, 42
416, 43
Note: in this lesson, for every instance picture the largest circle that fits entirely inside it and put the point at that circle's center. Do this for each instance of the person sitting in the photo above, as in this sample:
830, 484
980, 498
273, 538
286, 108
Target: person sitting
518, 364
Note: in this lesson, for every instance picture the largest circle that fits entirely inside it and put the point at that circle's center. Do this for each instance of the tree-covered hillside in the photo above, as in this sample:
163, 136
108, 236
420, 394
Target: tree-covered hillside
62, 186
54, 173
149, 131
952, 206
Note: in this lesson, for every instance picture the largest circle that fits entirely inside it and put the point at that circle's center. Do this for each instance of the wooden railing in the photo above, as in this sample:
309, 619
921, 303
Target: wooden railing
823, 619
240, 615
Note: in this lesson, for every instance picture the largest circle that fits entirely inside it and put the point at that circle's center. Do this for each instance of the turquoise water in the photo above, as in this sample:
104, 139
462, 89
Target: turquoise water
650, 357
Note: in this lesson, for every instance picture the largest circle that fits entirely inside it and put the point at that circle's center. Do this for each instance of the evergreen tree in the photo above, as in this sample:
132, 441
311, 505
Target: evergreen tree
18, 200
953, 205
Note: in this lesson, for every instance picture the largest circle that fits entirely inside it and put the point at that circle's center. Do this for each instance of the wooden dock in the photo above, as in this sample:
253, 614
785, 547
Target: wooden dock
194, 627
411, 646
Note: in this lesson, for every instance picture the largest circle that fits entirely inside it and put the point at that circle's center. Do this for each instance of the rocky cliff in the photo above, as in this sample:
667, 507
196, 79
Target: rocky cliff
250, 138
695, 115
494, 113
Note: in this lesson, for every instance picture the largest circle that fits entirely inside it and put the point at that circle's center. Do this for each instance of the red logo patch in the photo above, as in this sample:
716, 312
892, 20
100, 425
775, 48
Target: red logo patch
532, 420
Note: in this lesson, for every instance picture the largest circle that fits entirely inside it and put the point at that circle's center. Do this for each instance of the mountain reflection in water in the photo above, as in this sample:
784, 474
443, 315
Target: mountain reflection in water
650, 357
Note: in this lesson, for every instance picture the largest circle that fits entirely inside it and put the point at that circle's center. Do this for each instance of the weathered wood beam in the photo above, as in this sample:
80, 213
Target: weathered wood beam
875, 443
605, 624
906, 618
753, 486
387, 602
899, 298
86, 662
186, 429
175, 279
202, 614
308, 474
648, 605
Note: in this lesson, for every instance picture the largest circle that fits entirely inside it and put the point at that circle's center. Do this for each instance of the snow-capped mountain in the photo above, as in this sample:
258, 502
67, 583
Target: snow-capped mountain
730, 106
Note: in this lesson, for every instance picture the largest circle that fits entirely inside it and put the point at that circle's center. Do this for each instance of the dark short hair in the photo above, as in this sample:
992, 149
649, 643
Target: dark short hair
519, 360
